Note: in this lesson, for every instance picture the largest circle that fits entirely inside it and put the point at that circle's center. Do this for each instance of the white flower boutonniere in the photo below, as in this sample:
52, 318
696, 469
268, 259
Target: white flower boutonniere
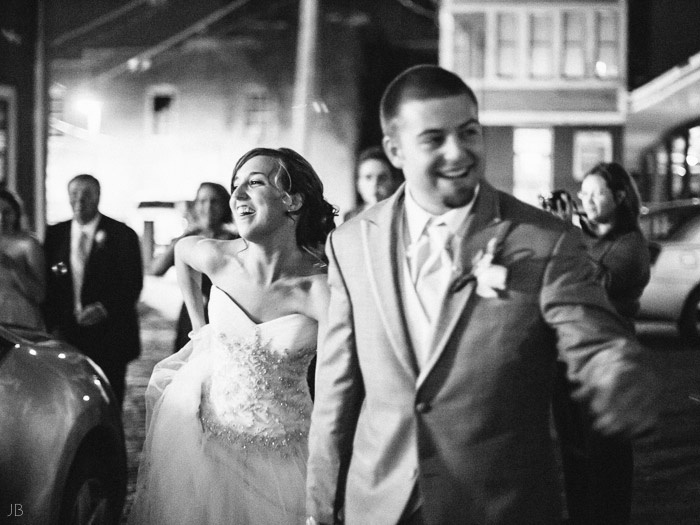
490, 278
100, 238
60, 268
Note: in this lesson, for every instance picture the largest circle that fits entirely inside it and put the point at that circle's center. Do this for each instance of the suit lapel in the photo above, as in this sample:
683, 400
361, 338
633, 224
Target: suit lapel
380, 238
470, 239
63, 249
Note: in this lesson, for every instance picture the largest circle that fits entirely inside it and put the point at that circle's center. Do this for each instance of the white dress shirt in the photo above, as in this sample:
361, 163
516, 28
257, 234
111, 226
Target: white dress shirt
421, 316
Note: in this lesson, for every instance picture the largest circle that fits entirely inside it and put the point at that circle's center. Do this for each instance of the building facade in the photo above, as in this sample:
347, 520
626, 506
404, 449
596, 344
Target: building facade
152, 121
550, 78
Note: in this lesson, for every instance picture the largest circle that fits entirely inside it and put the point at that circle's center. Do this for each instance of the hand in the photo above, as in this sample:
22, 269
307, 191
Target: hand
630, 408
92, 314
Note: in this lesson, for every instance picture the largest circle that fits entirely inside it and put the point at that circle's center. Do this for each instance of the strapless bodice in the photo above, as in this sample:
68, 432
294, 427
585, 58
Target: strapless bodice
256, 394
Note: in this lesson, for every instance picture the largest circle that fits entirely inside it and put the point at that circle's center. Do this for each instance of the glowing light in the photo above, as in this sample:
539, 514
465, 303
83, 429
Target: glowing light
319, 106
61, 355
92, 109
86, 398
679, 170
32, 352
692, 160
601, 68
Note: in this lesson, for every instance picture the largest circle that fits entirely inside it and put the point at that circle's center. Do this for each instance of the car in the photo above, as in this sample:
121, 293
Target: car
673, 292
62, 449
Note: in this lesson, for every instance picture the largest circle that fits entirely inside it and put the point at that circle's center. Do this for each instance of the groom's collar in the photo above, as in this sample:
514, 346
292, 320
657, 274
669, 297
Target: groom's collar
417, 217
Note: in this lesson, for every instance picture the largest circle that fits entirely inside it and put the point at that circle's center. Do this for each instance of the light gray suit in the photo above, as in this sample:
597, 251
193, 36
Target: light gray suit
471, 428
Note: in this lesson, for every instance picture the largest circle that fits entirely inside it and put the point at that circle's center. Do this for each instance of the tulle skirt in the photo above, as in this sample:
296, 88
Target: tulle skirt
188, 476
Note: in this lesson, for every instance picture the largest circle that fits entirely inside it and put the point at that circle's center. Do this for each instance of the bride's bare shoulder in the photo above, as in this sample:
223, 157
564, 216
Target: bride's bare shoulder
207, 254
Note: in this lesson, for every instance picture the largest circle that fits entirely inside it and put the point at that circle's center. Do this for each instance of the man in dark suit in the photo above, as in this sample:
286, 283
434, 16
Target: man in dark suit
449, 304
95, 278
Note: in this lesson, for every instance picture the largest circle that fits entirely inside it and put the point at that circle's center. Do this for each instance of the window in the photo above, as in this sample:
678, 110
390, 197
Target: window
574, 50
507, 45
258, 109
569, 42
161, 109
607, 62
678, 171
590, 148
8, 137
692, 160
57, 94
4, 140
162, 114
541, 58
532, 163
469, 45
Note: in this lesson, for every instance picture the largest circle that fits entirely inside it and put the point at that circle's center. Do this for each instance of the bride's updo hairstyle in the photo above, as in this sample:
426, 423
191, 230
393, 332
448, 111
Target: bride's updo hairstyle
316, 217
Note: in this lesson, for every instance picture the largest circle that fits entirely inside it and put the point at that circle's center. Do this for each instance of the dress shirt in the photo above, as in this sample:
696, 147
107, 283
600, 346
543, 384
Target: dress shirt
77, 265
416, 219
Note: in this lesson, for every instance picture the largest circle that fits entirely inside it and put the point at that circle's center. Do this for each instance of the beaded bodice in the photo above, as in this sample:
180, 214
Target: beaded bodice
257, 395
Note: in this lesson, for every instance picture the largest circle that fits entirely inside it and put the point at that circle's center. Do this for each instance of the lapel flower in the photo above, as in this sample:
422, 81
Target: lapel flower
490, 278
60, 268
100, 238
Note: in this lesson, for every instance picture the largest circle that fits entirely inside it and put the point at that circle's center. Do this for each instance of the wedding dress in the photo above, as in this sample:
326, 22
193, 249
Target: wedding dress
227, 423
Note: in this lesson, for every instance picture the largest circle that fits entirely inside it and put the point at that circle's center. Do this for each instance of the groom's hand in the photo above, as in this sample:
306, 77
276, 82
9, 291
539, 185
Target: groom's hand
630, 403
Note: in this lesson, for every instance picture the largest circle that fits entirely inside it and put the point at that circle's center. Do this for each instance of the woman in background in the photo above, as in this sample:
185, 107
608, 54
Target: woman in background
598, 469
22, 272
615, 241
212, 219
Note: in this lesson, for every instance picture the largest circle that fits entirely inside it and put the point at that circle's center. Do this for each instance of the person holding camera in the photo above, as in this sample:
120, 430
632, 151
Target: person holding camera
598, 469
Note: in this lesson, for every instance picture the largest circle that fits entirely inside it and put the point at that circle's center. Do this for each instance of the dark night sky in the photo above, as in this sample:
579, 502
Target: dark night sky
662, 34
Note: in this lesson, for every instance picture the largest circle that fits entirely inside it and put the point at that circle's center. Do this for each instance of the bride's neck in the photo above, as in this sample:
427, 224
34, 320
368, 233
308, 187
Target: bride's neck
270, 262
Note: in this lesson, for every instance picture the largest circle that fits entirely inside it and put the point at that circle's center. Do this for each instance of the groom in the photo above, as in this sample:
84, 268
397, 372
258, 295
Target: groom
450, 303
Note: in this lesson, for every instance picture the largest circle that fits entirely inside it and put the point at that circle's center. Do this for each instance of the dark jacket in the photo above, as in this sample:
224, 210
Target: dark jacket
113, 277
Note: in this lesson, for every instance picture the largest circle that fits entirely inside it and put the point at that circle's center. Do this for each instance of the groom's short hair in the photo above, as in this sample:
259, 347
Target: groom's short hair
422, 82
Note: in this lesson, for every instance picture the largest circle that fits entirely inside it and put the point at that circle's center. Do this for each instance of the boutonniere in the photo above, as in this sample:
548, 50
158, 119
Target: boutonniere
60, 268
490, 278
100, 238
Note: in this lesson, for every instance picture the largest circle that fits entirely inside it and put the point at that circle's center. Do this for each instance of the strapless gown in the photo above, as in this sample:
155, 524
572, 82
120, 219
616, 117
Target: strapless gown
227, 424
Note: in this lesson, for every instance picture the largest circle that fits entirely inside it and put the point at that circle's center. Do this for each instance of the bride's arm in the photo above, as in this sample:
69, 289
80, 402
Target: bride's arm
191, 256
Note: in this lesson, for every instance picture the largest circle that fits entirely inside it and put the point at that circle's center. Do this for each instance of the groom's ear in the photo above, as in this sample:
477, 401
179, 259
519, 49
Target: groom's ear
392, 148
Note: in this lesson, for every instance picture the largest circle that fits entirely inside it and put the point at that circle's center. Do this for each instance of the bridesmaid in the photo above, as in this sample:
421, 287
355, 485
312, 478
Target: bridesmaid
22, 277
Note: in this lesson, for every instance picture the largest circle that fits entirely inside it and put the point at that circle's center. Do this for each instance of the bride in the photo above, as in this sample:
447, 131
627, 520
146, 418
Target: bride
228, 415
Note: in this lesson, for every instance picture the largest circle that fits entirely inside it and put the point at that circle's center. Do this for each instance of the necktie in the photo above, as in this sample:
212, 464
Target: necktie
432, 267
82, 254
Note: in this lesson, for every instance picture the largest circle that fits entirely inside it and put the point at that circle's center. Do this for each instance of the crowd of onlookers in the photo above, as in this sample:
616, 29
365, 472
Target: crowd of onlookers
83, 283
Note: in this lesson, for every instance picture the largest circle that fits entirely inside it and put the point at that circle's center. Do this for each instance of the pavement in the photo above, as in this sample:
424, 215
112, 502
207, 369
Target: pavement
667, 462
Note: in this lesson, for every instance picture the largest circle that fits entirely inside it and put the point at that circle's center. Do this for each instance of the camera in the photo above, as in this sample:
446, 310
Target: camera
560, 203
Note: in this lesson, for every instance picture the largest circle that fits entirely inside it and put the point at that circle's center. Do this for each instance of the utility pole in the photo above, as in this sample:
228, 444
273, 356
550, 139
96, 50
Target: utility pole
40, 122
305, 81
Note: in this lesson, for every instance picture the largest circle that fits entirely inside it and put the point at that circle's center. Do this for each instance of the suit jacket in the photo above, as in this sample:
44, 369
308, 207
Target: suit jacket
471, 429
113, 277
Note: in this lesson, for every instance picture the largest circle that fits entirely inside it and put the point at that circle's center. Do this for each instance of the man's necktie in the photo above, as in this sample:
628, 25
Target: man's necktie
79, 263
432, 267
